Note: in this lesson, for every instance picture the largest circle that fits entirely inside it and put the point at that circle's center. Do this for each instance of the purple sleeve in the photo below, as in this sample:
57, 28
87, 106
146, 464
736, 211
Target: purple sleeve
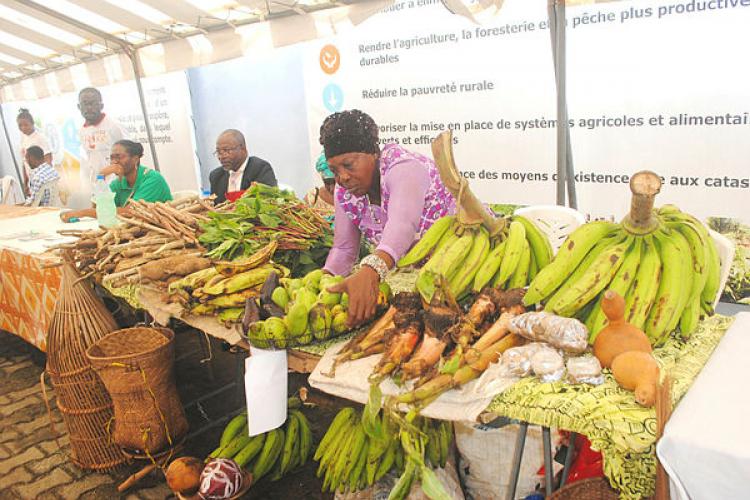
346, 237
407, 184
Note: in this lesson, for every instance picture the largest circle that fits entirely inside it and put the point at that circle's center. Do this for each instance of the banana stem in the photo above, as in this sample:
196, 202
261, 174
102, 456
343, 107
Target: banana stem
644, 185
471, 210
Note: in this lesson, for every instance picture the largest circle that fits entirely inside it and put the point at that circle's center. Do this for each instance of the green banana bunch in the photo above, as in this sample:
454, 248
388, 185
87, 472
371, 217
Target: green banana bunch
351, 457
667, 271
273, 453
469, 258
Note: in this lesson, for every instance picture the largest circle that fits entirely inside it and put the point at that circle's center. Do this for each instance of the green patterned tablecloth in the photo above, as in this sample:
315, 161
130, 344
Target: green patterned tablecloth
616, 425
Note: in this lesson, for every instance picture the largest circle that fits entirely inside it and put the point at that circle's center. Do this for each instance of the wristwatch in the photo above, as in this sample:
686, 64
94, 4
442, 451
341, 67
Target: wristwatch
375, 262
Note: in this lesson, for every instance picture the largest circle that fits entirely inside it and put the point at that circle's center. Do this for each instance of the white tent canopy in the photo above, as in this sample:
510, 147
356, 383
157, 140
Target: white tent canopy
49, 47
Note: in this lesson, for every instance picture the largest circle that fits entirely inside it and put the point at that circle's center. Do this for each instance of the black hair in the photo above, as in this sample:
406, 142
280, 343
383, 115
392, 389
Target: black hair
35, 152
91, 90
23, 113
133, 148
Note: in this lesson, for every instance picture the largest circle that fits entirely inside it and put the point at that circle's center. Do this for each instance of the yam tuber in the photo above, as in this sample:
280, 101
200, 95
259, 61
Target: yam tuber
618, 336
637, 371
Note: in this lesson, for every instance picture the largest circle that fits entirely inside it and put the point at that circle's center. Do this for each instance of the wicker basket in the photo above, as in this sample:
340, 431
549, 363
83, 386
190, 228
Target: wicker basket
137, 367
595, 488
80, 319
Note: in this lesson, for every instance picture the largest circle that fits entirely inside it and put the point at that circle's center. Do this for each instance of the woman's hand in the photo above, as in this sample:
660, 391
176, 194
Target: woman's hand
111, 169
66, 216
362, 288
86, 212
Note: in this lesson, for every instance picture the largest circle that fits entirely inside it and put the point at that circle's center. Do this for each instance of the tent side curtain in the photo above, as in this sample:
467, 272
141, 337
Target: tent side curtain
182, 53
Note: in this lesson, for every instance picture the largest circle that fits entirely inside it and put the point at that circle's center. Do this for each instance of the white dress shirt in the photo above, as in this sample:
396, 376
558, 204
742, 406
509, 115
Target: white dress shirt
235, 178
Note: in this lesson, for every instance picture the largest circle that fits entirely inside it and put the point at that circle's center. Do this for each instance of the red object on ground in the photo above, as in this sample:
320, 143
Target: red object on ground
587, 463
234, 195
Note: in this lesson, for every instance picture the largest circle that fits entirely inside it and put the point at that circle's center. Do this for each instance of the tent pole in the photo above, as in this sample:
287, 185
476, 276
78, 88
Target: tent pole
565, 169
137, 73
10, 148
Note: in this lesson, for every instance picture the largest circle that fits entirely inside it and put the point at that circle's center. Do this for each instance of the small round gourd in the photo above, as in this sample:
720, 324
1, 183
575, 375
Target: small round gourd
638, 372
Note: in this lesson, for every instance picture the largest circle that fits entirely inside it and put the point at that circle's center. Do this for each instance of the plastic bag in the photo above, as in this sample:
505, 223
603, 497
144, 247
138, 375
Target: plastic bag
567, 334
584, 370
548, 364
517, 360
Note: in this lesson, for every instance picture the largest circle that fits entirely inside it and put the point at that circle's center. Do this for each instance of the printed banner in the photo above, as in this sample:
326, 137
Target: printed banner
652, 85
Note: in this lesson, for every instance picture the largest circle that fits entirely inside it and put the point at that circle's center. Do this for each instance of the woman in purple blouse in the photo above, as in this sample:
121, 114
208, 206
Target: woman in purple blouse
389, 195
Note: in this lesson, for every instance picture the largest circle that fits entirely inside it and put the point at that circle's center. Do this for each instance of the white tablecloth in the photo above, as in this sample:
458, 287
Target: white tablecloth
706, 444
34, 234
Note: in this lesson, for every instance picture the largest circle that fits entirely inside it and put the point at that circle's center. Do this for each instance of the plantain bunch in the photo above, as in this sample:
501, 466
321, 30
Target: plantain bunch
664, 263
469, 258
275, 452
222, 289
360, 448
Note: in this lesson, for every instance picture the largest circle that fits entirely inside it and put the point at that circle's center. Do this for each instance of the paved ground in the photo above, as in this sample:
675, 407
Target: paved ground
33, 459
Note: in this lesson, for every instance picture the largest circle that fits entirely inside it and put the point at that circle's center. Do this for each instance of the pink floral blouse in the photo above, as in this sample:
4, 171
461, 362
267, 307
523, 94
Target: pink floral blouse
412, 198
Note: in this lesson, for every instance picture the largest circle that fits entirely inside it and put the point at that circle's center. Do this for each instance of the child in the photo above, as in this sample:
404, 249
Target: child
42, 174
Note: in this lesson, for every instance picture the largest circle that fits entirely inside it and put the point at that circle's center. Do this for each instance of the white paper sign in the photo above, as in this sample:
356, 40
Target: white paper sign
265, 390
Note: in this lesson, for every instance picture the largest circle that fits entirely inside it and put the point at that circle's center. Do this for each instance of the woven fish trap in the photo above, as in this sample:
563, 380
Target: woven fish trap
80, 319
137, 367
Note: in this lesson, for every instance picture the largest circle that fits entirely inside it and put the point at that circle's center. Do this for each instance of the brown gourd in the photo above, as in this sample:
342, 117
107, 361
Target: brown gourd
638, 372
618, 336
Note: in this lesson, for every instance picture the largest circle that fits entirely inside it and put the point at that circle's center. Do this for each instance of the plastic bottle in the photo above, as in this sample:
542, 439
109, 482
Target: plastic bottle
205, 193
106, 212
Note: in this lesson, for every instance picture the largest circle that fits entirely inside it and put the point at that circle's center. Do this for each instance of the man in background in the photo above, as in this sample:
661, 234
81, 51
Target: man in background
43, 180
98, 134
238, 170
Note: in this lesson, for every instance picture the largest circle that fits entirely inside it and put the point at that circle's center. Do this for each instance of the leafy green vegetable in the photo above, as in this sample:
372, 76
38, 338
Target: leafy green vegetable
264, 213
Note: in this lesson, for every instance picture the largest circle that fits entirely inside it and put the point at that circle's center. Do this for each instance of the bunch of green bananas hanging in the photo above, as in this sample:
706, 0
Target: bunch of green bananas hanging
470, 259
293, 312
275, 452
353, 458
667, 271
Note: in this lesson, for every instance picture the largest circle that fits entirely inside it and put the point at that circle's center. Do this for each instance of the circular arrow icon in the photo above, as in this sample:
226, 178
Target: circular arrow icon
330, 59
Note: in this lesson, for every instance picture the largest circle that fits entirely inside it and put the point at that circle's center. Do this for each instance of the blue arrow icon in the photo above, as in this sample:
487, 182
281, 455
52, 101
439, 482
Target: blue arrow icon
333, 97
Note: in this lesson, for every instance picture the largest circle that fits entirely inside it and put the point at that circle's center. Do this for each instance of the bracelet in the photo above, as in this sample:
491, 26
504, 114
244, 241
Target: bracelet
377, 264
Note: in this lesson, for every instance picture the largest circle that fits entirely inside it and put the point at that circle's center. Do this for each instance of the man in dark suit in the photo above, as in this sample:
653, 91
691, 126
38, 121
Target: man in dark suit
238, 169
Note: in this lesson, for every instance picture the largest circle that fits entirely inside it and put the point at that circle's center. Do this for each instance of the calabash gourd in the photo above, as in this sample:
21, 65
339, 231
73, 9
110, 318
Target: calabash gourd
618, 336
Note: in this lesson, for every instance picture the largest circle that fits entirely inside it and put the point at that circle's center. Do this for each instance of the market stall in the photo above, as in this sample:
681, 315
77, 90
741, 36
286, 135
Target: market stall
482, 319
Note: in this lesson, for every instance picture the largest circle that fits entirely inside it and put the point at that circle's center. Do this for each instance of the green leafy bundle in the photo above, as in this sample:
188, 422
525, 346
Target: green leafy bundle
264, 213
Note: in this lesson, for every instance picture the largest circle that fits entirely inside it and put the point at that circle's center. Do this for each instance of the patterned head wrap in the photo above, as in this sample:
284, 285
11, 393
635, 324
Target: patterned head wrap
349, 131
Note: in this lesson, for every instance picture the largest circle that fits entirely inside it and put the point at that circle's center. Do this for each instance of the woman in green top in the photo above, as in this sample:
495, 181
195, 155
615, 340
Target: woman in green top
134, 181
